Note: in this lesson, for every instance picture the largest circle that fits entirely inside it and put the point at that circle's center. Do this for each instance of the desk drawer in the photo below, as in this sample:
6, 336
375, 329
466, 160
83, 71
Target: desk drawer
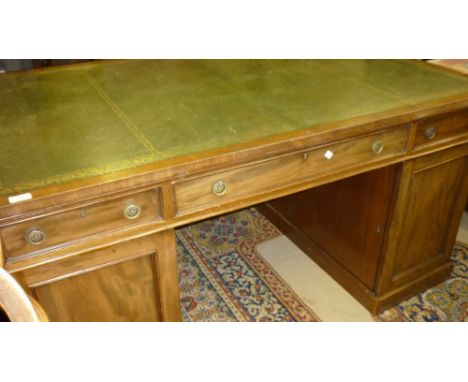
434, 130
281, 172
56, 230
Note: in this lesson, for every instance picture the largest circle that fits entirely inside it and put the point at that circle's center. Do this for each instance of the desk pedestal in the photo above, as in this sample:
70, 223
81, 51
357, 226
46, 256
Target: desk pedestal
132, 281
383, 235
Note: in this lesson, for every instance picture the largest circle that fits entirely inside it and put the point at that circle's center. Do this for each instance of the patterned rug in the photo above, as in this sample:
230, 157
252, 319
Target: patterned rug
222, 278
447, 301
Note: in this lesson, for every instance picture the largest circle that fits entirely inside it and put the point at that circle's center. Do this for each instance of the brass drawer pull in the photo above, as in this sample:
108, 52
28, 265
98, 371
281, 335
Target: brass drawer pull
35, 236
430, 132
219, 188
377, 147
132, 211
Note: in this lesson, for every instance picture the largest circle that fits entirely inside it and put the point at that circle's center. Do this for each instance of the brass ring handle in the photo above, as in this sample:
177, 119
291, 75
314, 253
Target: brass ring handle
35, 236
430, 132
219, 188
377, 147
132, 211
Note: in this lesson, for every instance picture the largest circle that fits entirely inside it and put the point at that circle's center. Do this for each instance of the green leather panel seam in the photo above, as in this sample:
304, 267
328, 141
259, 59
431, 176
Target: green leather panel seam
64, 125
363, 84
122, 116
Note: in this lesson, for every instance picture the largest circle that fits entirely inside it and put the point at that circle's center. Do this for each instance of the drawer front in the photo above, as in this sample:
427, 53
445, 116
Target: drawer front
435, 130
55, 230
262, 177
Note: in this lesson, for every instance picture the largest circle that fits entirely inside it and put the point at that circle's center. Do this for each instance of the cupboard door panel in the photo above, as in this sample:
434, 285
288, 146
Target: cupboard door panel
432, 213
120, 292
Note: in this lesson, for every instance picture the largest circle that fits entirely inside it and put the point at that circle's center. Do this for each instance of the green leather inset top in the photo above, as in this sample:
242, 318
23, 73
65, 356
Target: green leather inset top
76, 122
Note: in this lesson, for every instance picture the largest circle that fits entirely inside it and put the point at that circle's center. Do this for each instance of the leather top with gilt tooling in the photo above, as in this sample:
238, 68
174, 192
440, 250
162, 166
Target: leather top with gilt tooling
81, 121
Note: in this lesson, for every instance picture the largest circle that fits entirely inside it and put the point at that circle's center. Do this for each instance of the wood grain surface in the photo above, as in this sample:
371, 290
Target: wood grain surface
347, 219
128, 131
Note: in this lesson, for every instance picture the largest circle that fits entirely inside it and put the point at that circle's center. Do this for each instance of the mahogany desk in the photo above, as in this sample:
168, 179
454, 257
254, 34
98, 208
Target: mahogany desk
364, 163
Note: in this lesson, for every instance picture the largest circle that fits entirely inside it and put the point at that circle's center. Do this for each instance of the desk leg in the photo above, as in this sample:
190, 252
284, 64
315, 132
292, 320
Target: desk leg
168, 277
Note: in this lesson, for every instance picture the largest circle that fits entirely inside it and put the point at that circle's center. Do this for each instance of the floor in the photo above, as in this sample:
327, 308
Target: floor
316, 288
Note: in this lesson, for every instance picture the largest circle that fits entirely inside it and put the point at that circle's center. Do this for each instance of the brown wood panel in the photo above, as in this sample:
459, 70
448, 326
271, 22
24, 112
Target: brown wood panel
439, 157
347, 219
323, 259
431, 213
81, 222
436, 129
121, 292
149, 284
282, 172
387, 281
415, 285
2, 255
168, 276
86, 262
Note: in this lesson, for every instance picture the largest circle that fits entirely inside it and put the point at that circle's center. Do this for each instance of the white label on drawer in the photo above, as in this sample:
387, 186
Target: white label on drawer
19, 198
328, 154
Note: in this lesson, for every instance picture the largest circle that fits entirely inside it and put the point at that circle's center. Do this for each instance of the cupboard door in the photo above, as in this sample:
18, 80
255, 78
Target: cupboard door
136, 280
434, 208
120, 292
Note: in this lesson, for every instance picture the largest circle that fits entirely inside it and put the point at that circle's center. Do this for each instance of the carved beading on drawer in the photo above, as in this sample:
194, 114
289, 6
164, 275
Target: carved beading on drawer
44, 233
262, 177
